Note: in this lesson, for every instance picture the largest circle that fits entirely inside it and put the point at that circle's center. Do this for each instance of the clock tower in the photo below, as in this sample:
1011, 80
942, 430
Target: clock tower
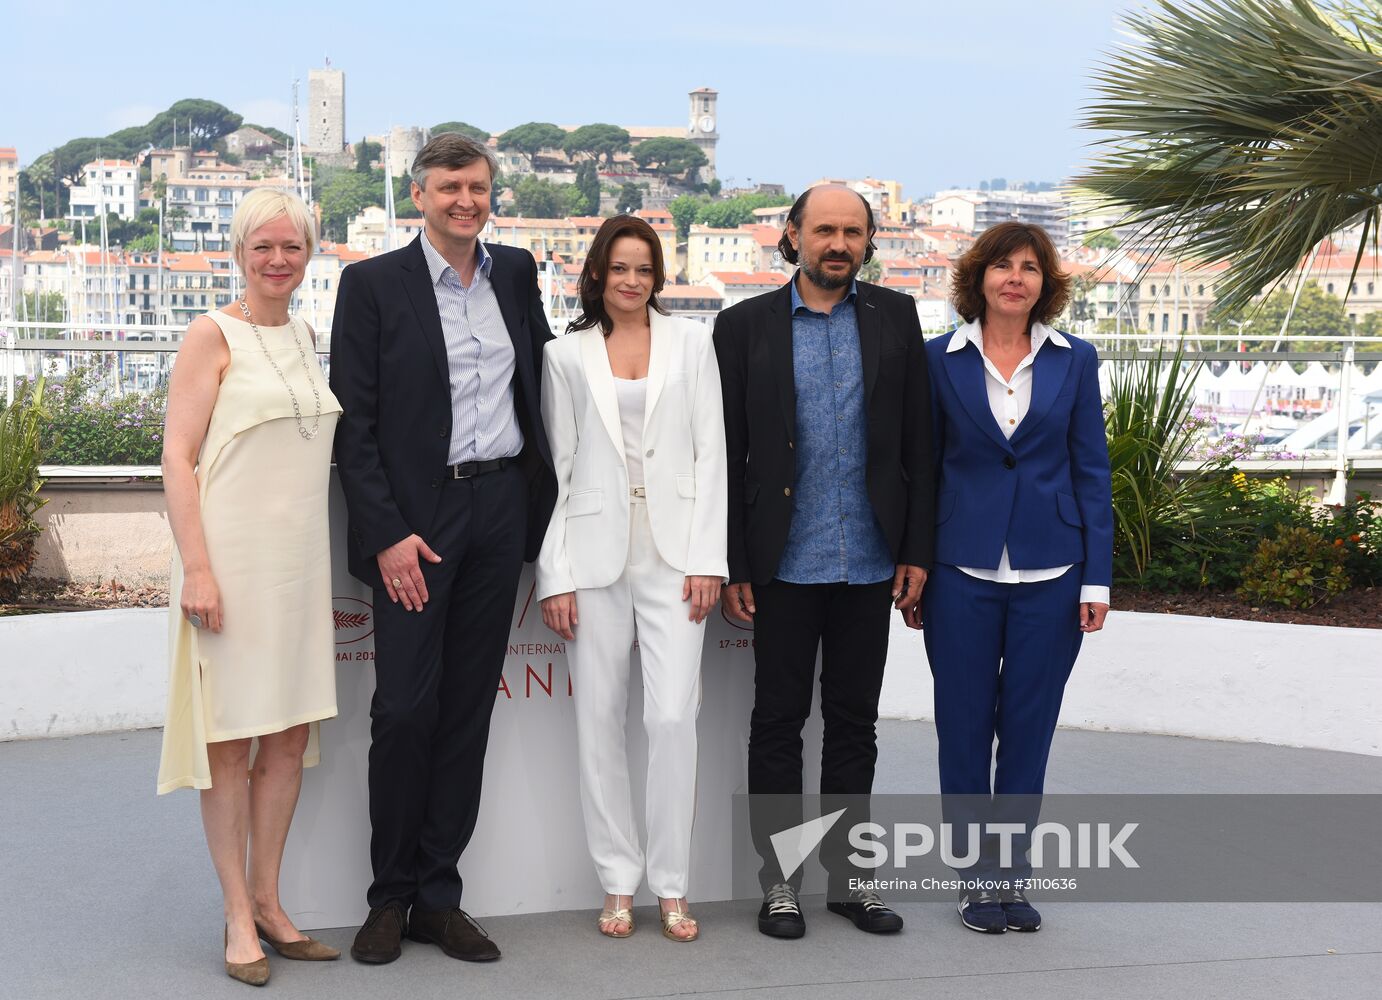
703, 125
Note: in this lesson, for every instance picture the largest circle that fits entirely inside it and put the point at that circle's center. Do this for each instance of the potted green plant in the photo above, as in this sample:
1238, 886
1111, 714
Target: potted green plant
20, 424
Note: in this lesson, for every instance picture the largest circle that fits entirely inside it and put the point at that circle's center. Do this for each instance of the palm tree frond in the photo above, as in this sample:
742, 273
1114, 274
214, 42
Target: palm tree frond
1243, 131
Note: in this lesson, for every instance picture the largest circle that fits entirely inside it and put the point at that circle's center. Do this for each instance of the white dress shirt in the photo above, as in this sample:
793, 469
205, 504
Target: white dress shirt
1009, 399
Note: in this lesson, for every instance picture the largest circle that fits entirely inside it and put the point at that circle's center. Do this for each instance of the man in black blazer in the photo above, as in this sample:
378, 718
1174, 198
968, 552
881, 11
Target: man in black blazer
831, 521
436, 358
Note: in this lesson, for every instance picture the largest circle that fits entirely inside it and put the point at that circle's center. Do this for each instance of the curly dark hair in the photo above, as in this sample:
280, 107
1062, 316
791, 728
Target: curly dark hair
993, 245
591, 285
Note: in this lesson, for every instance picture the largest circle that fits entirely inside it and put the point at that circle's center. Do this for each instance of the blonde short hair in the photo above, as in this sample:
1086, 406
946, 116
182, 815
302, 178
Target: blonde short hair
262, 206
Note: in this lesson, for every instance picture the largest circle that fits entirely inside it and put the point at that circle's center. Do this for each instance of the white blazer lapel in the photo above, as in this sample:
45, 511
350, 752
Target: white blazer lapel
662, 334
595, 361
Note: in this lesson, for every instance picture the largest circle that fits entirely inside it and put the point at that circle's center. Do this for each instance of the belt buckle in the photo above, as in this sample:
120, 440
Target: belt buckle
639, 491
456, 472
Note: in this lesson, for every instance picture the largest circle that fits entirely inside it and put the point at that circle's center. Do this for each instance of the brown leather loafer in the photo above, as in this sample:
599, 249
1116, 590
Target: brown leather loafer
380, 939
455, 932
306, 950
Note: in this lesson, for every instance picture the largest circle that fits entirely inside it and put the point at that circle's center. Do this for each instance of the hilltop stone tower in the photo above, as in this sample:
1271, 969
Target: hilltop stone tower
325, 112
405, 142
702, 130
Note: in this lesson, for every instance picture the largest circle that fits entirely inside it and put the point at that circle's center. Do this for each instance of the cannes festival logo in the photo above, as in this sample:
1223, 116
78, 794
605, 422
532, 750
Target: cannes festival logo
353, 620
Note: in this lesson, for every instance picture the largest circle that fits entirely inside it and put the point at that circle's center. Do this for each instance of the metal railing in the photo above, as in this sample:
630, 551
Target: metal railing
1306, 422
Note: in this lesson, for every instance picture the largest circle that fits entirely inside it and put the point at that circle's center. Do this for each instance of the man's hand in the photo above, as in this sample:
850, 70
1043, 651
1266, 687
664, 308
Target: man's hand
907, 584
559, 614
739, 602
702, 592
398, 565
1092, 616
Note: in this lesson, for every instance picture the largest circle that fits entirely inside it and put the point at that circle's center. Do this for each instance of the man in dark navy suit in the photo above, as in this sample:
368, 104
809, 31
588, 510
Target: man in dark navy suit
827, 422
436, 358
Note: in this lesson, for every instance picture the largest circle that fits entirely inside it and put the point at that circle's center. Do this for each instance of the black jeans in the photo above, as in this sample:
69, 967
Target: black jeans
848, 623
436, 676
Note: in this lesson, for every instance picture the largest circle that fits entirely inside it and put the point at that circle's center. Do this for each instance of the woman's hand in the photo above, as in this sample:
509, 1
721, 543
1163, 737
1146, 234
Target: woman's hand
1092, 616
702, 592
559, 614
201, 597
911, 617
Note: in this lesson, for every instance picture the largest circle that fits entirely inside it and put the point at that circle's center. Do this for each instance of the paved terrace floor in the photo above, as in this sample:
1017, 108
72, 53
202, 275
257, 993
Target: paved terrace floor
109, 894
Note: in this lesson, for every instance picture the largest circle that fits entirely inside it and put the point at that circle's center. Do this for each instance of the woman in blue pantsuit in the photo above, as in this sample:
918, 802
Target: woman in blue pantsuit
1024, 540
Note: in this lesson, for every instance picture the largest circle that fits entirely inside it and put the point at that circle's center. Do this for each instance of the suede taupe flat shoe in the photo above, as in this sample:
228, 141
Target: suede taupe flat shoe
254, 973
308, 950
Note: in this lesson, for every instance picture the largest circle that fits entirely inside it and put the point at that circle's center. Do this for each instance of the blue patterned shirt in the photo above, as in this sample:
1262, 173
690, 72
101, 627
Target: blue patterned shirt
479, 358
834, 536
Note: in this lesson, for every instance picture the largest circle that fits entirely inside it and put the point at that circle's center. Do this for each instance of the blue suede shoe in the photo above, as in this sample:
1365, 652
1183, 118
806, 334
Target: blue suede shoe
980, 910
1021, 915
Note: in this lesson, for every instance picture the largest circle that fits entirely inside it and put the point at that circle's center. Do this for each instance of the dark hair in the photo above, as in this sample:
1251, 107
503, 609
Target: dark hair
993, 245
798, 209
451, 150
591, 285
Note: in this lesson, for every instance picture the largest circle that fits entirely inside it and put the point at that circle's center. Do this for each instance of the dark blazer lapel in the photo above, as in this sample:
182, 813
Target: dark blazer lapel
1049, 369
966, 370
780, 350
417, 282
870, 324
505, 285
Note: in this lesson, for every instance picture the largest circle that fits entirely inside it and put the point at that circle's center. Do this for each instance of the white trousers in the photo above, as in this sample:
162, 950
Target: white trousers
645, 598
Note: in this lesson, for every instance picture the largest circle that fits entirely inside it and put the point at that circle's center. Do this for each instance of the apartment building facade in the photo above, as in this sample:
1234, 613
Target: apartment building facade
108, 186
9, 182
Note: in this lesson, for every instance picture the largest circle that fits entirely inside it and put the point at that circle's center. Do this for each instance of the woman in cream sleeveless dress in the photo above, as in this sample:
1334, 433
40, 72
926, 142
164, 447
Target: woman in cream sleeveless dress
251, 650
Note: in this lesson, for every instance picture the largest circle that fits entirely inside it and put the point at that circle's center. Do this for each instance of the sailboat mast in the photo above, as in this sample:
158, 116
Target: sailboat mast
305, 193
388, 192
14, 302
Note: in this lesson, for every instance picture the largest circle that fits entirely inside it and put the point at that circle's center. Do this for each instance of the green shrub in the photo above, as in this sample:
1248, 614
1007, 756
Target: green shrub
1172, 530
20, 454
1356, 527
1297, 568
89, 423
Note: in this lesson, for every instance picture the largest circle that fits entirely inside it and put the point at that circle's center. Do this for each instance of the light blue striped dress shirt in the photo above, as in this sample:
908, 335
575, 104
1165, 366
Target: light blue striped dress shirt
479, 358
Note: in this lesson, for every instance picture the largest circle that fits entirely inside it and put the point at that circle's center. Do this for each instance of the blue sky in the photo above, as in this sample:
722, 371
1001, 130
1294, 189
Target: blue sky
931, 94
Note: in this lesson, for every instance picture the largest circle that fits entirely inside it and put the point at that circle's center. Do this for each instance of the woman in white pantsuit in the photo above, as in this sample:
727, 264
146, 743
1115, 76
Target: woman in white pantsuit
636, 545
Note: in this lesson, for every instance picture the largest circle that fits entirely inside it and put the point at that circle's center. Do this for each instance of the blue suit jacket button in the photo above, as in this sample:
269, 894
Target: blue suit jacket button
1009, 462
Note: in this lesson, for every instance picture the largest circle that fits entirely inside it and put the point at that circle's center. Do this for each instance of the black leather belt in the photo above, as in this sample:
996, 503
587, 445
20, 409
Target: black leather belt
468, 470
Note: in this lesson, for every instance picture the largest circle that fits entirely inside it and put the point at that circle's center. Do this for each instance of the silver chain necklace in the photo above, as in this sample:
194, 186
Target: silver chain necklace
307, 435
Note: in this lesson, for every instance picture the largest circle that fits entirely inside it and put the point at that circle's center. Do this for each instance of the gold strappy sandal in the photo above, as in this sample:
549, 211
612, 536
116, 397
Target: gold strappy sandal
621, 914
676, 918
